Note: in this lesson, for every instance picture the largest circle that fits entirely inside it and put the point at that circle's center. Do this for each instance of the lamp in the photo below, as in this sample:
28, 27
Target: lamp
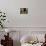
7, 31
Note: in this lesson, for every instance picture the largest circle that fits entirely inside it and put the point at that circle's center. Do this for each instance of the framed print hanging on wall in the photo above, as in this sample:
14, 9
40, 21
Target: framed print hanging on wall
23, 10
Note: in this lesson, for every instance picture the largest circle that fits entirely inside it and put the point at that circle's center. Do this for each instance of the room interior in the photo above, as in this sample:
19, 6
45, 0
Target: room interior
22, 22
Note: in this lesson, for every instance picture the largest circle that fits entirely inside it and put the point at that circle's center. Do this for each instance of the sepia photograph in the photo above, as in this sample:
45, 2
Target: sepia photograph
23, 10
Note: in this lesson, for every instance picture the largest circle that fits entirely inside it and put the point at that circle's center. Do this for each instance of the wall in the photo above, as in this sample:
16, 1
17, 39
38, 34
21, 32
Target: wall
36, 16
38, 13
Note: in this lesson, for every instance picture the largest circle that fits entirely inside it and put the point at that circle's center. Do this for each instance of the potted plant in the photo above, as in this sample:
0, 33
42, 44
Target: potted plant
2, 19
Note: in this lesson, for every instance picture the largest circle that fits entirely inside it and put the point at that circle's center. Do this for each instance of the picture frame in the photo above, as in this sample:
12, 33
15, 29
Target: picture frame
23, 10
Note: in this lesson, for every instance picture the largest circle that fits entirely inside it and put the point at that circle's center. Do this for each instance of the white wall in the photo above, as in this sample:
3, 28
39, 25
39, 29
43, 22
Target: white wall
38, 13
35, 18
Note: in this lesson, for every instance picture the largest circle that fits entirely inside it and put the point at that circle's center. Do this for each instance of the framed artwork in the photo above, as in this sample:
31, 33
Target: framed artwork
23, 10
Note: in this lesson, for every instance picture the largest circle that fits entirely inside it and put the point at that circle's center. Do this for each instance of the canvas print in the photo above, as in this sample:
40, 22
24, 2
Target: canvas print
23, 10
